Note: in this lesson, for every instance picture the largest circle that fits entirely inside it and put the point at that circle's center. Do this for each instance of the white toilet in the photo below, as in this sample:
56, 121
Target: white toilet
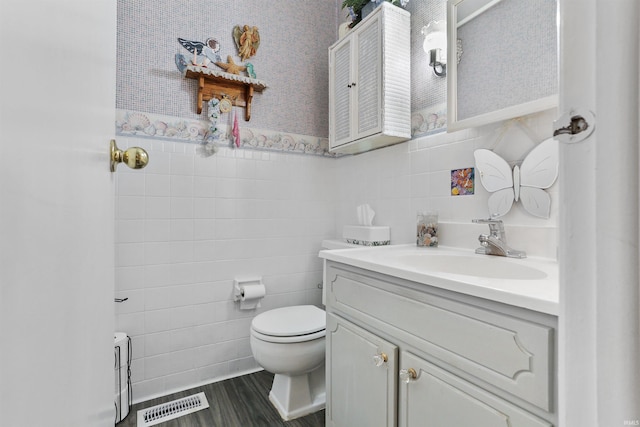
290, 343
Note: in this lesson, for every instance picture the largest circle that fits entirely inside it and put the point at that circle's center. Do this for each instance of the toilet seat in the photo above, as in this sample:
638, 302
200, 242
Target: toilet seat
290, 324
288, 340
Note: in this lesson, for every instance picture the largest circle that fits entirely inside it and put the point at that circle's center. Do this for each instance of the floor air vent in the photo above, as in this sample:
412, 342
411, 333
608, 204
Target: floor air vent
171, 410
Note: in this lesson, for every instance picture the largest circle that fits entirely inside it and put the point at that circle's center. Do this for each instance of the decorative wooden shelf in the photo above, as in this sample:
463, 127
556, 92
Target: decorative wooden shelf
218, 84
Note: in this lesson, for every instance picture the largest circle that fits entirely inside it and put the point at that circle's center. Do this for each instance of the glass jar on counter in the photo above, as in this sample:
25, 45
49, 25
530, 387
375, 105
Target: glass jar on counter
427, 229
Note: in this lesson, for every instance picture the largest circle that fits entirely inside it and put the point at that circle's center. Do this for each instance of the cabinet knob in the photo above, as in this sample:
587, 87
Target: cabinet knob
408, 375
380, 359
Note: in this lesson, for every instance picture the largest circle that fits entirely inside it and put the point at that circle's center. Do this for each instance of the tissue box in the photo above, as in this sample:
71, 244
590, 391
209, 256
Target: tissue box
367, 235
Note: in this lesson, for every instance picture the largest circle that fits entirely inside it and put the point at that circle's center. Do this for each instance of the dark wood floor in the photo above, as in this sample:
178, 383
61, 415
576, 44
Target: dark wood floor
237, 402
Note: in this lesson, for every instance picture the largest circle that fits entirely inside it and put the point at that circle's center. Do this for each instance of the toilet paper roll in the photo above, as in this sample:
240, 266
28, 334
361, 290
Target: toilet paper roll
249, 292
250, 296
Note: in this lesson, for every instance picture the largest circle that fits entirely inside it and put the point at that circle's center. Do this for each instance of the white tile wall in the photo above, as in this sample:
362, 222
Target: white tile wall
187, 225
400, 180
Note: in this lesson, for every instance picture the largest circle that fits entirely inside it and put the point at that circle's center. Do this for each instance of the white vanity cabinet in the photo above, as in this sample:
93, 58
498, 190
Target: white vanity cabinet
370, 83
400, 353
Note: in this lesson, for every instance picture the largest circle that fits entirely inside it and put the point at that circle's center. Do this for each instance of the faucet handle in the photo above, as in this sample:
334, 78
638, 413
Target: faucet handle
496, 227
486, 221
495, 243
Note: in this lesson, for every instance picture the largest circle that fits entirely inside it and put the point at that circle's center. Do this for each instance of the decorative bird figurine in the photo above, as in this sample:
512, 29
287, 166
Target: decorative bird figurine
230, 66
247, 41
250, 72
210, 48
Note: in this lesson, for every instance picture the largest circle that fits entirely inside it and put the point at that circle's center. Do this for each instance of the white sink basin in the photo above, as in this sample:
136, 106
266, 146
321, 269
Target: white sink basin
530, 283
469, 265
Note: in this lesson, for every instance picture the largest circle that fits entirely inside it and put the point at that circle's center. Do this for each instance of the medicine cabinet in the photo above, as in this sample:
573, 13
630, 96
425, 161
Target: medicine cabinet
370, 83
502, 60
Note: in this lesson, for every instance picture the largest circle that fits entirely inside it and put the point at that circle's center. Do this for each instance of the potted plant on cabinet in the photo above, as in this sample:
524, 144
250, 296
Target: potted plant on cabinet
358, 9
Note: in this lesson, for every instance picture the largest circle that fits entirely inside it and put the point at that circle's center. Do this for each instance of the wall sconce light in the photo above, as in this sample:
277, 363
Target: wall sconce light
435, 44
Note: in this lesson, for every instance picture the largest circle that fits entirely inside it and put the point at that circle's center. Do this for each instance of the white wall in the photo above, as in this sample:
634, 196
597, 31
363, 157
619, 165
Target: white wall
187, 225
400, 180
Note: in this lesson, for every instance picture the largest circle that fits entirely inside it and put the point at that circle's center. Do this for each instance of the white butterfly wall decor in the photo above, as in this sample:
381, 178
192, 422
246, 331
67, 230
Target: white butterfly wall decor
526, 182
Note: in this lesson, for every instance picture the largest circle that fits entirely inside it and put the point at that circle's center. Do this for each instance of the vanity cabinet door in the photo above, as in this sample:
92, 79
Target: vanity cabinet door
361, 377
437, 398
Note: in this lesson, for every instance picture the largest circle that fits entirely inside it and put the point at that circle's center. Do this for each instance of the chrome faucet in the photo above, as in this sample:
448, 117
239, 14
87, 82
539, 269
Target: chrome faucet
495, 243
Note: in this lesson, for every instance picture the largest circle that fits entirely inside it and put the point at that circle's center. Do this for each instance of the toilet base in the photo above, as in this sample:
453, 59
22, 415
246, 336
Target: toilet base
299, 395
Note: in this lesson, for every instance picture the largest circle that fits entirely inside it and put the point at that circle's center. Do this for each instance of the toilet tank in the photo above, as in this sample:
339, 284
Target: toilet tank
337, 244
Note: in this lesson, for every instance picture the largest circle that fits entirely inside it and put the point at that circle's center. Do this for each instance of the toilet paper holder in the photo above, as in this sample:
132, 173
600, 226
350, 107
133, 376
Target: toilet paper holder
249, 291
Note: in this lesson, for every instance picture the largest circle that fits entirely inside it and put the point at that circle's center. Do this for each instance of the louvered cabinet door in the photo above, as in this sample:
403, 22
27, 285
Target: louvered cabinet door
369, 80
340, 94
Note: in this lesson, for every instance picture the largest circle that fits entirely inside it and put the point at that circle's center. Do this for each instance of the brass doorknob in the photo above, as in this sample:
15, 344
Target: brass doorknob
134, 157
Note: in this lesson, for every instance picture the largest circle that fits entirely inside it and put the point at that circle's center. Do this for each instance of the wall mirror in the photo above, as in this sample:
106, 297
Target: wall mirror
502, 60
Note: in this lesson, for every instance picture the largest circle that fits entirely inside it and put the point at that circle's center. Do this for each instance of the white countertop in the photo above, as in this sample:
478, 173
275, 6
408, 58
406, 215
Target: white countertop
539, 292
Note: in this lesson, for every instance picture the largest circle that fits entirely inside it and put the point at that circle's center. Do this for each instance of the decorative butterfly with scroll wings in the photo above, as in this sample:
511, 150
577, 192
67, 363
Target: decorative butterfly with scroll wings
526, 182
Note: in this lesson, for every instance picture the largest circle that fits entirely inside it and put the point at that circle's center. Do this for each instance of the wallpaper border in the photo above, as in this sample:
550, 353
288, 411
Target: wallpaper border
157, 126
426, 122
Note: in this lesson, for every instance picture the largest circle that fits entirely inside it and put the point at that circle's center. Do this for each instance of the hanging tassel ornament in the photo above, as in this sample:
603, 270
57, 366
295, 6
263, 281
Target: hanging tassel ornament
212, 135
236, 129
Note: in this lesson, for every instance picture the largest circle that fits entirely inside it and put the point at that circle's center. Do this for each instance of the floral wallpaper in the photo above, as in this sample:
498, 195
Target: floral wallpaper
292, 58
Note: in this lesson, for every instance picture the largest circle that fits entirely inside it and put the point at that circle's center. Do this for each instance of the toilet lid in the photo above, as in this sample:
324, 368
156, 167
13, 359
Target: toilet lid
290, 321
